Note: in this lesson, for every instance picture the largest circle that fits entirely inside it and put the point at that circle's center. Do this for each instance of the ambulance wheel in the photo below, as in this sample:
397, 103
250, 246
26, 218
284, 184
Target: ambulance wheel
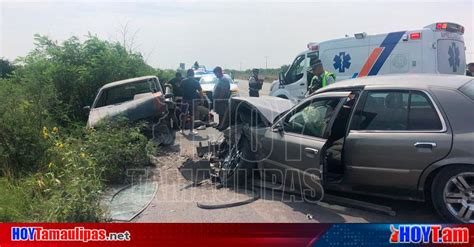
452, 193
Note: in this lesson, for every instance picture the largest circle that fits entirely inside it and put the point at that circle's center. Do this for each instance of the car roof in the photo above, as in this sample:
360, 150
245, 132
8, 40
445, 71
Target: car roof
411, 81
126, 81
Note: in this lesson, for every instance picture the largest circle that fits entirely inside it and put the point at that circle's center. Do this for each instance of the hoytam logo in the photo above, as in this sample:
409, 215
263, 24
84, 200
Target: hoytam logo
435, 234
74, 234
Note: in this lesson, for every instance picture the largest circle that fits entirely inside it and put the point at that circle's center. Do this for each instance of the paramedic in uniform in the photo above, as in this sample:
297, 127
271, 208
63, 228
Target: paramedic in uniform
255, 84
321, 77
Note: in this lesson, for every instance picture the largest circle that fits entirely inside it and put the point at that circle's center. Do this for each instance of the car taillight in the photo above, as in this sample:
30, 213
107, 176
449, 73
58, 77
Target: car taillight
415, 36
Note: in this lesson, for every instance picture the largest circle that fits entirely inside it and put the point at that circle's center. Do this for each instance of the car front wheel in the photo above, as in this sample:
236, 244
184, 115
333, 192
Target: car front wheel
453, 193
163, 135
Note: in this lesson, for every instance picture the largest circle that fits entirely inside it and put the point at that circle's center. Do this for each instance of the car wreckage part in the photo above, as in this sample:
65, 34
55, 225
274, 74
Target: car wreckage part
233, 160
225, 157
255, 196
453, 193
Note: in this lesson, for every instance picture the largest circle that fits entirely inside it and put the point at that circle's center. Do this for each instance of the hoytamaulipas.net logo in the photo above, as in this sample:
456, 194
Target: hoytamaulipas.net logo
73, 234
434, 234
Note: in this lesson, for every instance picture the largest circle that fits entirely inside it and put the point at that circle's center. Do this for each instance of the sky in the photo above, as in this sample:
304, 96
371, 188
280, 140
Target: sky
235, 34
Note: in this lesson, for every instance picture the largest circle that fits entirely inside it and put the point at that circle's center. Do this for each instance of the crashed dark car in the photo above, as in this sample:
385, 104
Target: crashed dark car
136, 99
407, 137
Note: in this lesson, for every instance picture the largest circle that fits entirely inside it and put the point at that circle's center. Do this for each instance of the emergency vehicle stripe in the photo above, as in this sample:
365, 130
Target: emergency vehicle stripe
388, 44
370, 61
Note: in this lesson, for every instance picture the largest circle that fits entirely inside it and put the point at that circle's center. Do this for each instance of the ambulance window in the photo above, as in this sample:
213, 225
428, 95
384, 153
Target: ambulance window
296, 70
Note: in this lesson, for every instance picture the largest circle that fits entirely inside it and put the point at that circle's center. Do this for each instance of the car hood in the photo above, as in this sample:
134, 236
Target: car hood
143, 107
268, 107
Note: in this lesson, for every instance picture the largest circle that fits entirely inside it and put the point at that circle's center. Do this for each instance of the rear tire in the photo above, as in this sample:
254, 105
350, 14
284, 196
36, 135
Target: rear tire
163, 134
452, 193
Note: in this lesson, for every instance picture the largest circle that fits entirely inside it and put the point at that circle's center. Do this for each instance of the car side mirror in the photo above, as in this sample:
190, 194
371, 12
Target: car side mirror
169, 96
281, 78
86, 110
278, 127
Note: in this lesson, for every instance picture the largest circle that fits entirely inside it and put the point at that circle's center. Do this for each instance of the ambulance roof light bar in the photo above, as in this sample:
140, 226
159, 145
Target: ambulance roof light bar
448, 26
360, 35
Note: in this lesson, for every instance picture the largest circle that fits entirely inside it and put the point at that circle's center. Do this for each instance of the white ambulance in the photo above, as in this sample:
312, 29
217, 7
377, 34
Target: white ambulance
437, 48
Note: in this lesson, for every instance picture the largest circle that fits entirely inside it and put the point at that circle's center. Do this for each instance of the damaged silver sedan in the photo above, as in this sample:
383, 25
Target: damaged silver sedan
407, 137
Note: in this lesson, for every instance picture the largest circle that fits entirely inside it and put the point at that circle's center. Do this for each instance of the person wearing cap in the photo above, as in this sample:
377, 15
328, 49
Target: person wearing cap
221, 96
321, 77
470, 69
255, 84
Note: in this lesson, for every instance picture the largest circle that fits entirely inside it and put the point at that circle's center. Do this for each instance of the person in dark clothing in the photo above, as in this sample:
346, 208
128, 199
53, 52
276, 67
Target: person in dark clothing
221, 96
470, 69
192, 95
255, 84
175, 84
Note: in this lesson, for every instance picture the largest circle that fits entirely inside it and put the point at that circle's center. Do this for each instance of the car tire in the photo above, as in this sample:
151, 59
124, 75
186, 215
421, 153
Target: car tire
245, 167
164, 135
452, 193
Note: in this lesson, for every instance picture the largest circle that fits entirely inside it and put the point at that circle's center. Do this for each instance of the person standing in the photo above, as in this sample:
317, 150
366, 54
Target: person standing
255, 84
470, 69
321, 77
192, 94
221, 96
175, 85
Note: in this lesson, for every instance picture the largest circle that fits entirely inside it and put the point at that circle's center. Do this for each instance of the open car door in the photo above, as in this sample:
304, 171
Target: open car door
294, 146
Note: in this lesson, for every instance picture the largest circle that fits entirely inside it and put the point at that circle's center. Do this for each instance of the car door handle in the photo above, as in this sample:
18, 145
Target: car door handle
311, 150
302, 84
430, 145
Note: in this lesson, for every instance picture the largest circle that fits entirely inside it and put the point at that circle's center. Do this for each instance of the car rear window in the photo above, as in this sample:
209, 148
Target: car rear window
468, 89
126, 92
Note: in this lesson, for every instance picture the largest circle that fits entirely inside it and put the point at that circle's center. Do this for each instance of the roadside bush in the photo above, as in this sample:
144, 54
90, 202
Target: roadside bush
69, 181
14, 203
165, 75
21, 120
117, 147
78, 69
50, 173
